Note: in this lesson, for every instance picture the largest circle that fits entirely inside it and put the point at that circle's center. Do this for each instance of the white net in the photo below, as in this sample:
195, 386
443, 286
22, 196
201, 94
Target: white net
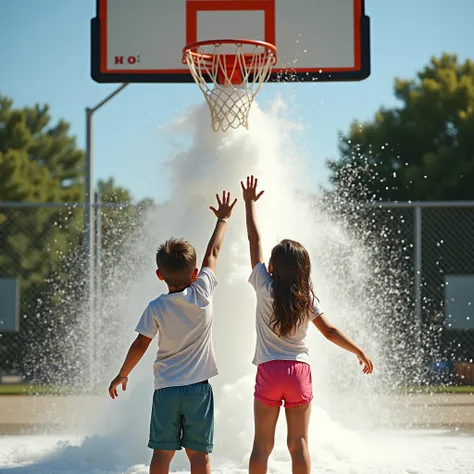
224, 64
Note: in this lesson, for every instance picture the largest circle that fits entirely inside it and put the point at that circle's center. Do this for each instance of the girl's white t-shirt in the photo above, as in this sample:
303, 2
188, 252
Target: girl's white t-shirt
269, 345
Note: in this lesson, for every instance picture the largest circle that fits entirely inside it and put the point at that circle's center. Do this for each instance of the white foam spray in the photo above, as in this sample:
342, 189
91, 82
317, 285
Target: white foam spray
342, 267
211, 163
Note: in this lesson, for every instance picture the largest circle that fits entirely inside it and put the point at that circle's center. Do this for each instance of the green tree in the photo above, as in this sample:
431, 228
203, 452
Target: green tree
420, 150
38, 163
119, 222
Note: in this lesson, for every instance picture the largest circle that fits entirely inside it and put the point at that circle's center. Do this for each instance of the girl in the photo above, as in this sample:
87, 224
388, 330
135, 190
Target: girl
285, 305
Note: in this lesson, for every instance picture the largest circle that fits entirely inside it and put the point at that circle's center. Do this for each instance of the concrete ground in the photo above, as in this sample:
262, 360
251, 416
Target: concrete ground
432, 411
50, 414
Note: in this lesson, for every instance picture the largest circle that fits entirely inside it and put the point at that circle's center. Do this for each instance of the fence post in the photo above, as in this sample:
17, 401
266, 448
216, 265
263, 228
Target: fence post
418, 279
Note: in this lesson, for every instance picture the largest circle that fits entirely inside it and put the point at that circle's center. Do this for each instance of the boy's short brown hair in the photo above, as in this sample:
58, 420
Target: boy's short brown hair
176, 260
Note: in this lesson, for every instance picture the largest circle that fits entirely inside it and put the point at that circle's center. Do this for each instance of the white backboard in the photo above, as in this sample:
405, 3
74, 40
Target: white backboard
142, 40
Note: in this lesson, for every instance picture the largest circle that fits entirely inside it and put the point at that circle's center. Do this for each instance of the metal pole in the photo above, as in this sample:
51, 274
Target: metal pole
89, 237
418, 281
109, 97
422, 204
66, 205
89, 234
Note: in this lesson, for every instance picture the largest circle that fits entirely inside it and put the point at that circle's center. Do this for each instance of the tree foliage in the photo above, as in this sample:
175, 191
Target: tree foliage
420, 150
118, 223
38, 163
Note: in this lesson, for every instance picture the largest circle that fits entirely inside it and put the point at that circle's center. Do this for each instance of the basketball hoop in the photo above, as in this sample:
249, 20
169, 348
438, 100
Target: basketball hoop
236, 69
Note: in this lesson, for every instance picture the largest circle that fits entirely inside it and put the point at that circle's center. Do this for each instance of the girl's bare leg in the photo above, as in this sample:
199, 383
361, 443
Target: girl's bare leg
265, 424
297, 419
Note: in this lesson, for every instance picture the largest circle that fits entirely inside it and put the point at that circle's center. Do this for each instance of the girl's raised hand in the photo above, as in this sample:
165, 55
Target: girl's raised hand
249, 192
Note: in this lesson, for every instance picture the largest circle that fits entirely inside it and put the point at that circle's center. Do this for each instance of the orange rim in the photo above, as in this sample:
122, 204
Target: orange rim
191, 50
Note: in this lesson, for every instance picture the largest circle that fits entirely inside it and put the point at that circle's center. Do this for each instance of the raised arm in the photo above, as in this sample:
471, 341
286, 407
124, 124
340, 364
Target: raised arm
251, 197
223, 213
337, 337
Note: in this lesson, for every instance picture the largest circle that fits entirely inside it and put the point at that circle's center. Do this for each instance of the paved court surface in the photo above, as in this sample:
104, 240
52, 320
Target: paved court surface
47, 414
50, 414
435, 410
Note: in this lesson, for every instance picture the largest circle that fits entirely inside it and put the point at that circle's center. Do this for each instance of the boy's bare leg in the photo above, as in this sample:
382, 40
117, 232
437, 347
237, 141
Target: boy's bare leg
200, 463
297, 419
160, 462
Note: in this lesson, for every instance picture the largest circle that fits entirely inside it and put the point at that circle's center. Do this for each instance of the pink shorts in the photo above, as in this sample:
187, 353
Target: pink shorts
284, 380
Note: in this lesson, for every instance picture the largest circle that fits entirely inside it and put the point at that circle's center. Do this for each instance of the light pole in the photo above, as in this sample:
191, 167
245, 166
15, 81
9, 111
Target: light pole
89, 237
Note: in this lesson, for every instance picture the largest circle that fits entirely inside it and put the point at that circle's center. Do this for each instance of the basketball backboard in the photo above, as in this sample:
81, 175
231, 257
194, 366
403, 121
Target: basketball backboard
316, 40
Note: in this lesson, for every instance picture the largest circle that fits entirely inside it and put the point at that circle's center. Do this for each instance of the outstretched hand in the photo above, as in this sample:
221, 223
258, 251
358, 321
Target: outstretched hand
250, 192
224, 208
366, 362
113, 392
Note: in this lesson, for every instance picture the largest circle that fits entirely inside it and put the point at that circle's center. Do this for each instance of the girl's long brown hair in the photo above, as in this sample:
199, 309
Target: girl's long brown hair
293, 297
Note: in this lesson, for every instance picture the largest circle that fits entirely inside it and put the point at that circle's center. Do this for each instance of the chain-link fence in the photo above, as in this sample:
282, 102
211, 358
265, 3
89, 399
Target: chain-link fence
42, 245
34, 239
435, 245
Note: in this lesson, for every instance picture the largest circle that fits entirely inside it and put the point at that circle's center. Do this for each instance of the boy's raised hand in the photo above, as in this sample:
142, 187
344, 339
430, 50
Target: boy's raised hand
223, 212
250, 192
224, 208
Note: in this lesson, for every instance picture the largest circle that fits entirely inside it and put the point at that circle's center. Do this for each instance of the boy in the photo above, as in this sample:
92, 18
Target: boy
183, 404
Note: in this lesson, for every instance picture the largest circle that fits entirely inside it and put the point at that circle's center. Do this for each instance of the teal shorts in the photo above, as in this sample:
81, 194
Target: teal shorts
183, 417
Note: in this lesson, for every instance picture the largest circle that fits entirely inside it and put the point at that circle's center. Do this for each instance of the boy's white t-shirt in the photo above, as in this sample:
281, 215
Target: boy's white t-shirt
183, 322
269, 345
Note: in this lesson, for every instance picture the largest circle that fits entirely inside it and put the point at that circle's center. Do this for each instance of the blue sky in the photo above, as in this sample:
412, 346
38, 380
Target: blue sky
45, 59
